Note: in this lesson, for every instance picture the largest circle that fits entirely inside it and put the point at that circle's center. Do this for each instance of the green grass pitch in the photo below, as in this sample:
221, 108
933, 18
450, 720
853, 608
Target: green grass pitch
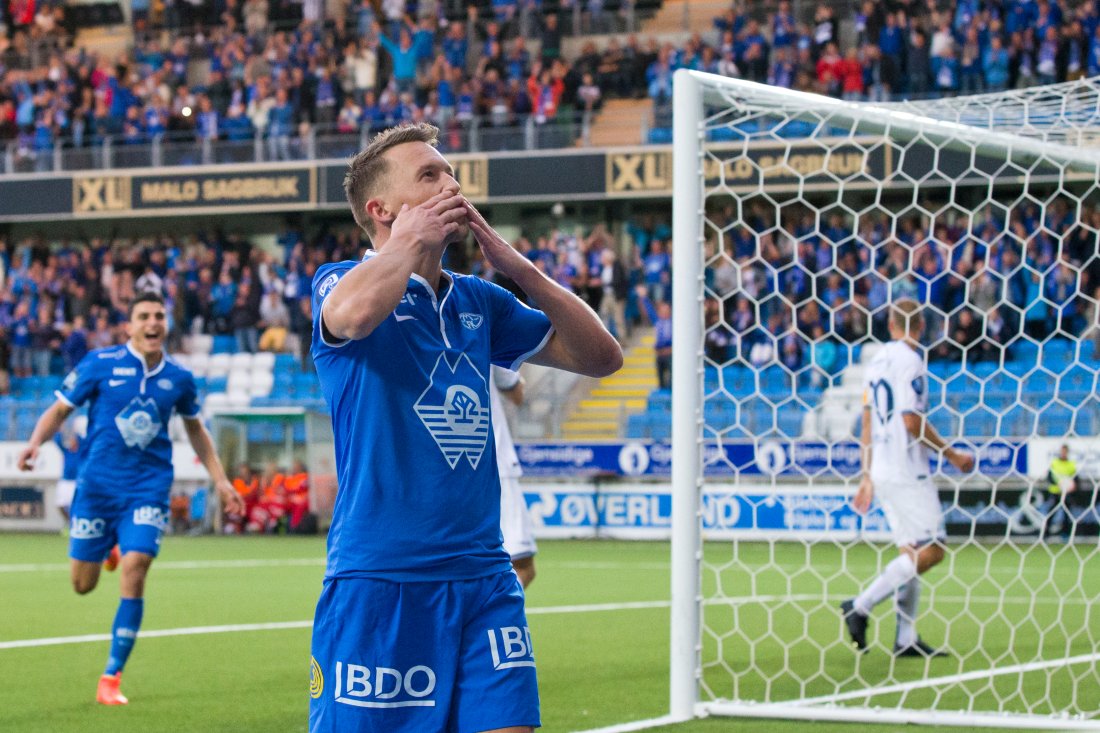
601, 660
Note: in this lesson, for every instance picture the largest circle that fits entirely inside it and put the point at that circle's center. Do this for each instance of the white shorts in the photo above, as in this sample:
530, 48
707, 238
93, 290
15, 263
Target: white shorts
913, 511
515, 521
65, 491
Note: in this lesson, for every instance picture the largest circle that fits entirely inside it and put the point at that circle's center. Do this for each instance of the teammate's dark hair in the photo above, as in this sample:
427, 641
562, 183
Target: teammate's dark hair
146, 296
367, 169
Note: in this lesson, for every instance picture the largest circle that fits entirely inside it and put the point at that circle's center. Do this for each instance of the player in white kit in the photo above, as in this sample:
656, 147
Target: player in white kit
895, 439
515, 521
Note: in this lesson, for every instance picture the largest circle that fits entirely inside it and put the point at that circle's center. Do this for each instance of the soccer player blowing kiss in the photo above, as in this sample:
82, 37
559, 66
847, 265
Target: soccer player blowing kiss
896, 434
420, 625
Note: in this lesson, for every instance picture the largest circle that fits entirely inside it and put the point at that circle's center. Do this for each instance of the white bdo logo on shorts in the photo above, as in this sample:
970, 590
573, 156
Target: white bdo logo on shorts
81, 528
511, 647
384, 687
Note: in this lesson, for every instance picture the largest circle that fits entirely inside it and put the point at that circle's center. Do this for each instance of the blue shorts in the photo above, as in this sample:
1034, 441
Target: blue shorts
97, 523
430, 657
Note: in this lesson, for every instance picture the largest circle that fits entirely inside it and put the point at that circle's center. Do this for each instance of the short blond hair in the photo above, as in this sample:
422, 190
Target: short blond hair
906, 316
368, 168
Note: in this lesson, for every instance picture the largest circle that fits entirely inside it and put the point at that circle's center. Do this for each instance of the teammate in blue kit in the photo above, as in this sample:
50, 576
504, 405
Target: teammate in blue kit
126, 469
420, 626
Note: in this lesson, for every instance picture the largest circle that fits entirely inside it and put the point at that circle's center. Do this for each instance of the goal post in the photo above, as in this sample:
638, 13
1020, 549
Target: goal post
790, 211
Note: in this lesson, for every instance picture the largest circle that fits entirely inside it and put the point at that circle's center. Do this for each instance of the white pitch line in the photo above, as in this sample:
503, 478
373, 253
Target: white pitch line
311, 562
181, 564
228, 628
946, 680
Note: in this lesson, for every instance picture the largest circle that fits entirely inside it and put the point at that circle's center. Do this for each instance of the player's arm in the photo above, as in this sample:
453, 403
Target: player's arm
921, 429
204, 449
46, 427
371, 290
580, 343
861, 502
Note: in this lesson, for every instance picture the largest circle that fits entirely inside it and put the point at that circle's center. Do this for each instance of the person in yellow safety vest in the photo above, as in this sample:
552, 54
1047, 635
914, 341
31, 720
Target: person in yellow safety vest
1061, 481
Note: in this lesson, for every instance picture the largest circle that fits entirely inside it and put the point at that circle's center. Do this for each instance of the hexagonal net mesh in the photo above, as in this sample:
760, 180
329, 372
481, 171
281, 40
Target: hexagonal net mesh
816, 215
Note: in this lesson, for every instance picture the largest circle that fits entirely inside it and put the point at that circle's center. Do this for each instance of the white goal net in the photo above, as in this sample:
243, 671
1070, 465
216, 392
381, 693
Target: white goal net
798, 220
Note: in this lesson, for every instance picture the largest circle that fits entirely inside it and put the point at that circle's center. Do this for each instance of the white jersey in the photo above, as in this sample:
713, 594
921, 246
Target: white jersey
896, 383
507, 460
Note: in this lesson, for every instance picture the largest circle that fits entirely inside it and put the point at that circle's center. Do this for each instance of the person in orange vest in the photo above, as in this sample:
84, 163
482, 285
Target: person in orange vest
247, 487
272, 507
297, 490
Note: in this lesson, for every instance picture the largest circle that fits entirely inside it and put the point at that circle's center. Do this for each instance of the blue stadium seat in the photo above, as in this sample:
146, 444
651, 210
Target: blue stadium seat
286, 363
1018, 421
660, 399
1078, 377
224, 344
983, 369
1055, 421
1038, 386
979, 423
1026, 352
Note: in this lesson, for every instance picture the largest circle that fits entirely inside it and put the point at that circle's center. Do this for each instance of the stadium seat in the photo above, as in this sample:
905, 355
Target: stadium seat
239, 380
1038, 386
286, 363
215, 401
241, 361
199, 343
1055, 421
224, 344
263, 360
198, 364
261, 384
218, 365
1018, 421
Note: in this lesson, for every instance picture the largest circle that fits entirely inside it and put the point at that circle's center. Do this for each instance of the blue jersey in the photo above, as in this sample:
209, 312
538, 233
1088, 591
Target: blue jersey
419, 494
127, 450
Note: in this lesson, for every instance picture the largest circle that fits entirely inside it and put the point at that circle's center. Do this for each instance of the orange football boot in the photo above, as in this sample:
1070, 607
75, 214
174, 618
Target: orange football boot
112, 560
107, 693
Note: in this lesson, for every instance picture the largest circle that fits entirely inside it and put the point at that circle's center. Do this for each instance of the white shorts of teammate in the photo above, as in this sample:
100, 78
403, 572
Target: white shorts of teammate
64, 497
913, 511
515, 521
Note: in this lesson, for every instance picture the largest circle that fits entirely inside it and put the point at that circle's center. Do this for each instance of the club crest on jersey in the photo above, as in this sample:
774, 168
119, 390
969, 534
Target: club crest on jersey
327, 284
471, 320
454, 411
164, 383
139, 422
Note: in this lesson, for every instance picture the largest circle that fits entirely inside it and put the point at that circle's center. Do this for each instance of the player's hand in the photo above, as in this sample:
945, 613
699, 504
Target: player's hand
231, 500
433, 223
962, 460
502, 256
28, 458
861, 502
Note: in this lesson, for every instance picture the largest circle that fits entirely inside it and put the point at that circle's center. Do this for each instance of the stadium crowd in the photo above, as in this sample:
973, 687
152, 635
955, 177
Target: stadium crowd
796, 297
233, 70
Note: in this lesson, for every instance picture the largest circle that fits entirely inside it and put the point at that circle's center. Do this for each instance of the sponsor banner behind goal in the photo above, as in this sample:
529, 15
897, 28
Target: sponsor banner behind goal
784, 459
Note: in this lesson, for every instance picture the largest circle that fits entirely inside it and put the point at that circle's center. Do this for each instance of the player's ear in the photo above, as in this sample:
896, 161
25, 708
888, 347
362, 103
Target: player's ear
380, 212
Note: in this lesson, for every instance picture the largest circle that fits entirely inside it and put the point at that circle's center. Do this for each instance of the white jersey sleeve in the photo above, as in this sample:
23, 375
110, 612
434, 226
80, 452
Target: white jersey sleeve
507, 459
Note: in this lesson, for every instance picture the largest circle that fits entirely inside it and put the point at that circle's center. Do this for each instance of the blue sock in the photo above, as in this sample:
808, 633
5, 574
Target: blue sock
124, 632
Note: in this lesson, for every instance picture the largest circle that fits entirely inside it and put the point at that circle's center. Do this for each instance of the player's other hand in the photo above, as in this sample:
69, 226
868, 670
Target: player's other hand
433, 224
962, 460
861, 502
28, 458
501, 255
231, 500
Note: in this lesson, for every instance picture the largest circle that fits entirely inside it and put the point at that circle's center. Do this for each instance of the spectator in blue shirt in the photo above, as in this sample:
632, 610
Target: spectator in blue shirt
660, 316
995, 65
404, 54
